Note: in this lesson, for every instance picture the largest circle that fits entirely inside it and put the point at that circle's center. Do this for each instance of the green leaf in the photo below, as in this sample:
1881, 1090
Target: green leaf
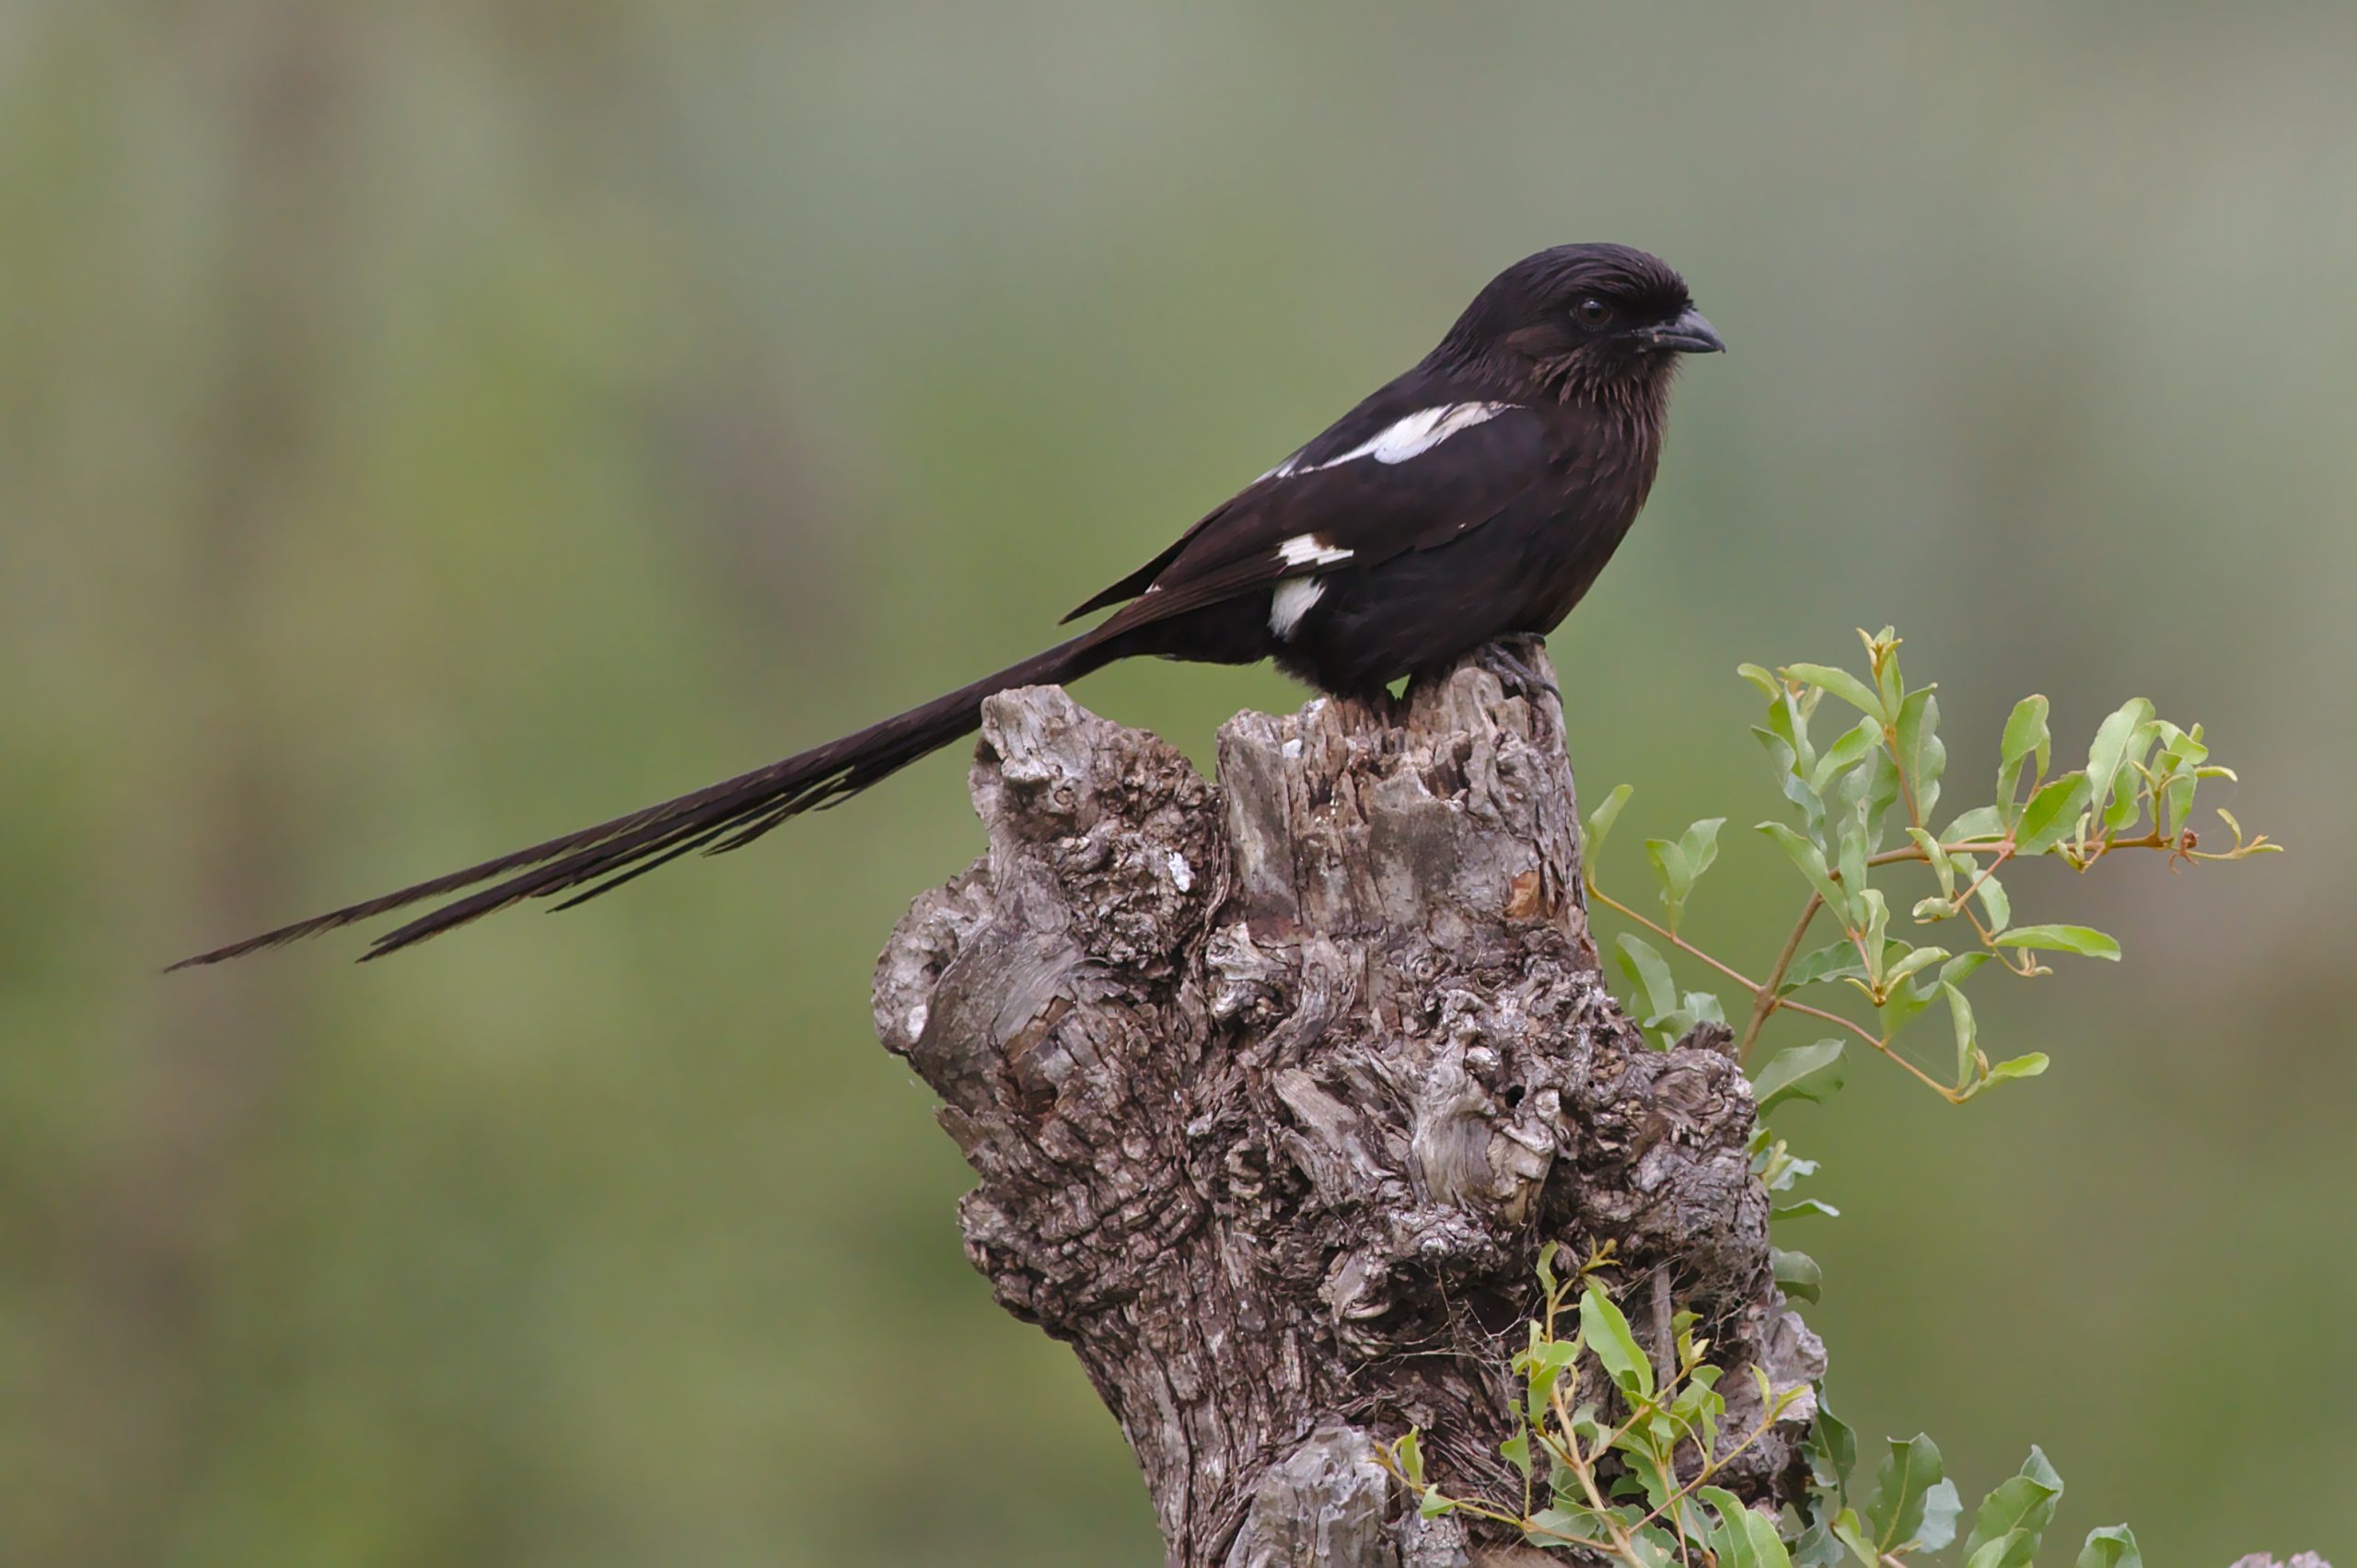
1560, 1525
1677, 877
1770, 687
1601, 821
2183, 754
1408, 1452
2016, 1513
2024, 733
1882, 793
1832, 1450
1699, 844
1842, 684
1831, 961
2079, 939
1996, 904
1806, 855
1845, 754
1681, 864
2111, 1546
1961, 967
1790, 719
1967, 1033
1646, 1477
2051, 815
1515, 1451
1649, 972
1606, 1333
1652, 1547
1817, 1547
1797, 1273
1789, 779
1852, 870
1806, 1072
1542, 1367
1744, 1538
1806, 1206
2128, 790
2028, 1066
1783, 1168
1726, 1540
1433, 1504
1922, 755
1911, 961
2115, 738
1929, 848
2012, 1549
1850, 1532
1941, 1506
1909, 1471
1980, 822
2176, 804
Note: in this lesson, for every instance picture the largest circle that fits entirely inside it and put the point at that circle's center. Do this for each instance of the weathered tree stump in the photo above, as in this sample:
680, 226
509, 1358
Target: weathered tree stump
1276, 1087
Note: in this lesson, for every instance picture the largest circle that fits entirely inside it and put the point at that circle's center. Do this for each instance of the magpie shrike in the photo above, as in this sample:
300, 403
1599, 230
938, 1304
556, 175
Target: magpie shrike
1470, 500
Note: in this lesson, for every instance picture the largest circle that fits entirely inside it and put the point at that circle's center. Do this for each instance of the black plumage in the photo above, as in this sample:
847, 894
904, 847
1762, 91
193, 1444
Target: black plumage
1473, 499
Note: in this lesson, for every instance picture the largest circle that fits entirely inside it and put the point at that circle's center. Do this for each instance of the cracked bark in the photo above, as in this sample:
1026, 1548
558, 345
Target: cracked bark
1276, 1086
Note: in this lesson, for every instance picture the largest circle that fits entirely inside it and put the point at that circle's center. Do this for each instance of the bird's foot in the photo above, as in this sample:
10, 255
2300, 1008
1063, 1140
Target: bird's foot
1510, 659
1377, 709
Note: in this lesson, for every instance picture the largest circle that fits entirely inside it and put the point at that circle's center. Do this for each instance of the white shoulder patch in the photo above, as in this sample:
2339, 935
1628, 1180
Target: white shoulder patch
1410, 437
1398, 442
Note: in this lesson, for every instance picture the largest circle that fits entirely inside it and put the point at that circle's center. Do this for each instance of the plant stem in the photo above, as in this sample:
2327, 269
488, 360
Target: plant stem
1880, 1044
1764, 1000
1683, 946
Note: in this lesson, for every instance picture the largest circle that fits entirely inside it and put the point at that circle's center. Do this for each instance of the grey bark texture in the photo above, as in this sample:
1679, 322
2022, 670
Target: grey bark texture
1277, 1085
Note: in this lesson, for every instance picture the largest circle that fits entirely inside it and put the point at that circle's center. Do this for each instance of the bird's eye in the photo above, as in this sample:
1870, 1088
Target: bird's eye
1592, 313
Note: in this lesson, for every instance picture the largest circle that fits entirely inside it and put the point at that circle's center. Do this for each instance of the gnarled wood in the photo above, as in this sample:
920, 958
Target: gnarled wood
1276, 1087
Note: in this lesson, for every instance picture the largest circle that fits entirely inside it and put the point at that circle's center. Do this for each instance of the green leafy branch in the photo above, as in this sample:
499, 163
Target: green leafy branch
1636, 1490
1616, 1488
1914, 1509
1876, 782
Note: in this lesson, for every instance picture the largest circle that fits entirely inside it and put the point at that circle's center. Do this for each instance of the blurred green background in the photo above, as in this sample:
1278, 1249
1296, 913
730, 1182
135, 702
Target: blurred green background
429, 426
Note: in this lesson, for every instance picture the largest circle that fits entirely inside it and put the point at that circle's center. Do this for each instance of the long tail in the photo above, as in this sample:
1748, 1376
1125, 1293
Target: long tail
725, 816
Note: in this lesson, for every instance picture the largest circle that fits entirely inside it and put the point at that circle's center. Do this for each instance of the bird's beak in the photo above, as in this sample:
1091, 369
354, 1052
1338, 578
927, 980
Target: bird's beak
1689, 334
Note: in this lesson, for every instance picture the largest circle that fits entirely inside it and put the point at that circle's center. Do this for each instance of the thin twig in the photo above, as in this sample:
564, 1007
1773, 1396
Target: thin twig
1764, 1001
1879, 1044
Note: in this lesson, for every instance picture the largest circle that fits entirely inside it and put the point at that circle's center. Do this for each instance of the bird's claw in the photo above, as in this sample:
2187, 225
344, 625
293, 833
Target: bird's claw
1512, 657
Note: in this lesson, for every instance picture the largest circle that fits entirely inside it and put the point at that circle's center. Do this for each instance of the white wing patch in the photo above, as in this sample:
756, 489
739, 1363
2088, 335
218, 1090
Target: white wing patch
1410, 437
1416, 435
1395, 443
1308, 550
1292, 600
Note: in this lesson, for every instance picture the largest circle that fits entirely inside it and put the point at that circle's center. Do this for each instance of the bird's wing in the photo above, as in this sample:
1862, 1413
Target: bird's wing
1367, 490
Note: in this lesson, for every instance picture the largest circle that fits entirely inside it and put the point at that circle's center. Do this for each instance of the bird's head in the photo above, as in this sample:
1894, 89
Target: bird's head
1584, 320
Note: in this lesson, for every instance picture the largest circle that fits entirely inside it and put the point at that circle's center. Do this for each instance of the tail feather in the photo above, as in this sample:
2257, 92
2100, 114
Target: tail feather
721, 817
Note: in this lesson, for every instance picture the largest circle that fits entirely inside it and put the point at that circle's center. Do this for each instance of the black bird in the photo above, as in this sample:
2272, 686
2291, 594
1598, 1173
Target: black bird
1473, 499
